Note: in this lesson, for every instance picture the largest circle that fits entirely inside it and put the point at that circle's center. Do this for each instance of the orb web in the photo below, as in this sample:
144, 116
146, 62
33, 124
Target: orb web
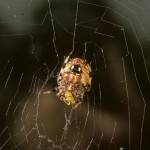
37, 36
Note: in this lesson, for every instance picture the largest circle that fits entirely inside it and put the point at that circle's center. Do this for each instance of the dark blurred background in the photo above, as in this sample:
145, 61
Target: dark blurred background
36, 35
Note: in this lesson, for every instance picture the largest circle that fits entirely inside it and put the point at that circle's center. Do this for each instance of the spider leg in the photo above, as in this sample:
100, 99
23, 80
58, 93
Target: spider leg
76, 105
67, 58
64, 64
50, 91
47, 92
89, 82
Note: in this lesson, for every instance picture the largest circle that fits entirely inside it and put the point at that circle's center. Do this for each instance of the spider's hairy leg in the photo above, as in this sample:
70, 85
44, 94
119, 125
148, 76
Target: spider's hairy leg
64, 64
89, 82
46, 92
50, 91
76, 105
67, 58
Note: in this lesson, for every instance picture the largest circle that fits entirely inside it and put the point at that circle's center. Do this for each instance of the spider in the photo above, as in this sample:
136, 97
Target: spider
73, 81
